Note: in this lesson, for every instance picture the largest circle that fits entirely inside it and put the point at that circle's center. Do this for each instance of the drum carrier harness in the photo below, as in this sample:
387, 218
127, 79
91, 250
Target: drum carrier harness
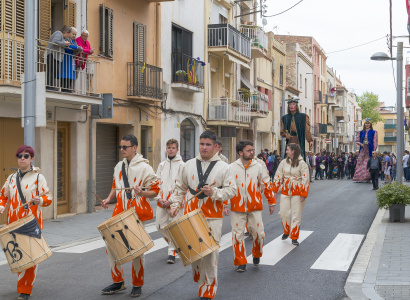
202, 178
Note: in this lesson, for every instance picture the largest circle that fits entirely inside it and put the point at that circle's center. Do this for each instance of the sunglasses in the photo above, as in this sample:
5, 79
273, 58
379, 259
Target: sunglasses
26, 156
123, 147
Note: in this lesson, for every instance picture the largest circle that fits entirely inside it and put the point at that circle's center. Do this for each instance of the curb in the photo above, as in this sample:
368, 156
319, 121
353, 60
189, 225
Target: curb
360, 282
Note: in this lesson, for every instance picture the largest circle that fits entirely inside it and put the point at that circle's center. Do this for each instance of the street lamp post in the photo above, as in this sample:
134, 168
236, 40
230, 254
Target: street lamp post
380, 56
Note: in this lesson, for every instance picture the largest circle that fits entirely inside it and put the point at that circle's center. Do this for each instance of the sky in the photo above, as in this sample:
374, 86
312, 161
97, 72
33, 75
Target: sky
338, 25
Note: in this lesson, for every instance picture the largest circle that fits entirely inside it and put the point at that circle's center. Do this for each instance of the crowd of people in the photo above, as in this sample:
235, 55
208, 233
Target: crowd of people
66, 57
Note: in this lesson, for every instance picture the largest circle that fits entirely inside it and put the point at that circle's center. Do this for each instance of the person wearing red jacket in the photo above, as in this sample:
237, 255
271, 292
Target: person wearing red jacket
34, 188
246, 206
140, 175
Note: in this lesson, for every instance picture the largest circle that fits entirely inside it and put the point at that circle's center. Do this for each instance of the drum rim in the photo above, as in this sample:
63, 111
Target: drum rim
16, 224
42, 258
184, 217
113, 220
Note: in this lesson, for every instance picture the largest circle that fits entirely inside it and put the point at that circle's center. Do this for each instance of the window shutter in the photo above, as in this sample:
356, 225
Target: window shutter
72, 10
139, 42
8, 15
102, 29
20, 18
44, 19
110, 18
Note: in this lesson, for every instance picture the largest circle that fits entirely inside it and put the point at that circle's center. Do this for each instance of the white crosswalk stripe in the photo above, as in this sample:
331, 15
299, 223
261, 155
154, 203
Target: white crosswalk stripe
340, 253
278, 249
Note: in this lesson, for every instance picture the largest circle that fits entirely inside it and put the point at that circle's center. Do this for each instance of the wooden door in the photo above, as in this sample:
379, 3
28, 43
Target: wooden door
63, 168
12, 132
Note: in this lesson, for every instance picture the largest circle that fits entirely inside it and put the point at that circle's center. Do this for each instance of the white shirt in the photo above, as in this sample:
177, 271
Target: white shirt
405, 161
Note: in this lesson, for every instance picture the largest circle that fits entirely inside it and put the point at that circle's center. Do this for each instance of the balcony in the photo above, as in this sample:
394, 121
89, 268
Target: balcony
318, 97
144, 82
259, 40
226, 111
389, 139
390, 126
340, 113
187, 73
259, 103
223, 38
331, 100
67, 75
320, 129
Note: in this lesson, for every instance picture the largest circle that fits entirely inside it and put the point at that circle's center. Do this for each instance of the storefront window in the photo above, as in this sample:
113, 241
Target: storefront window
187, 140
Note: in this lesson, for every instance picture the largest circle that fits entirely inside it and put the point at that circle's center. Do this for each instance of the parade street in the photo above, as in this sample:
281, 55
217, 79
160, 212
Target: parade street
335, 221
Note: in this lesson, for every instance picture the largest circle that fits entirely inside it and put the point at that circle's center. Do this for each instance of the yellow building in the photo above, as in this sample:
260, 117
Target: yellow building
126, 36
387, 131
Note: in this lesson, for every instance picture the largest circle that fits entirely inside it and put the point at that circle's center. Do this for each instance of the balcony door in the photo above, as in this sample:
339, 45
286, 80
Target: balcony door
63, 168
181, 51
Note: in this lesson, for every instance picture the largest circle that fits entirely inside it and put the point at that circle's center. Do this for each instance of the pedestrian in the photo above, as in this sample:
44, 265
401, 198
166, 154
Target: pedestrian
314, 163
318, 168
331, 161
133, 169
325, 162
211, 201
309, 163
393, 172
367, 139
270, 165
405, 162
292, 178
295, 126
246, 205
387, 167
20, 188
167, 174
374, 166
67, 73
350, 164
218, 147
81, 61
340, 166
55, 52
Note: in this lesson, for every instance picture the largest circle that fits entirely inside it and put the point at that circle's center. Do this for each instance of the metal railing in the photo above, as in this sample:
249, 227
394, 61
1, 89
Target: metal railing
65, 69
224, 35
225, 109
191, 70
390, 126
259, 102
144, 80
257, 36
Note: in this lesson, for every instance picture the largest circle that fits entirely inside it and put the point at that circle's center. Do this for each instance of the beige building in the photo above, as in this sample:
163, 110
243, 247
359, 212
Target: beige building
387, 130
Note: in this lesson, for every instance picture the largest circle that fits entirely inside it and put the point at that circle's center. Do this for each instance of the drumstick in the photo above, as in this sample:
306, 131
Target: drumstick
31, 201
98, 197
128, 189
193, 197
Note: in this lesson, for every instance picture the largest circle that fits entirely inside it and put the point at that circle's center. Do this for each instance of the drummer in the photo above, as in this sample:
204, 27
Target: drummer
251, 179
32, 185
208, 163
167, 174
132, 170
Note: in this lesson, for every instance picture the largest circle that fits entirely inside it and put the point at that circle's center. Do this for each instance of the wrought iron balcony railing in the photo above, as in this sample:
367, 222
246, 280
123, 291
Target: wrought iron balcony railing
224, 35
144, 80
257, 36
191, 70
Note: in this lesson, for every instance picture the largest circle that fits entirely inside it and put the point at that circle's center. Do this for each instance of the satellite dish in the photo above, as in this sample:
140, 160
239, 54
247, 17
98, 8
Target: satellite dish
264, 21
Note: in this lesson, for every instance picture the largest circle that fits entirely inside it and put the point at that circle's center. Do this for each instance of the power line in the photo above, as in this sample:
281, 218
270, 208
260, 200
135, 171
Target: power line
383, 37
284, 10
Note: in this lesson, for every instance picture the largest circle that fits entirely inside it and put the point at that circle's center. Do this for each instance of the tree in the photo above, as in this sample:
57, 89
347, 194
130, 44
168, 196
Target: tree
369, 103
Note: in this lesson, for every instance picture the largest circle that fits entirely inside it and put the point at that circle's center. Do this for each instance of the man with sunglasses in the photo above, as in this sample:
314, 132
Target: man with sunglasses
197, 175
26, 185
133, 171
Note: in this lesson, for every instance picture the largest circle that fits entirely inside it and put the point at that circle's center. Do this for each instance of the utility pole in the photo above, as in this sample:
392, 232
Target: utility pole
30, 14
400, 121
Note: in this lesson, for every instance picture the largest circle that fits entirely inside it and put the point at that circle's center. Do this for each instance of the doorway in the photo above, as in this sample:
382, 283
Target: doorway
63, 168
187, 140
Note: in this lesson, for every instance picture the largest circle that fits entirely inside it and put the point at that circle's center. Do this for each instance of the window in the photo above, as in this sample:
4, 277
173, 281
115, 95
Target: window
181, 49
390, 134
106, 31
300, 81
281, 75
187, 140
305, 88
391, 121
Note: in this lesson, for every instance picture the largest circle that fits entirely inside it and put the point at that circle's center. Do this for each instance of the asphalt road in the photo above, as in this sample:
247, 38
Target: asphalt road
333, 207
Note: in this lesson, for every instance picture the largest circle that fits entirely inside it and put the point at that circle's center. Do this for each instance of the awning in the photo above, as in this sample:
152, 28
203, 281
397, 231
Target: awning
247, 83
235, 60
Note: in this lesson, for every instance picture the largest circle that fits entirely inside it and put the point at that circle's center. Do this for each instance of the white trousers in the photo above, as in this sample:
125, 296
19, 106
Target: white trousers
163, 219
291, 206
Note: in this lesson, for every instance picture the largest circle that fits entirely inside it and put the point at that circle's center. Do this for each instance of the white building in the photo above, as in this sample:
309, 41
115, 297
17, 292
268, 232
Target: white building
183, 50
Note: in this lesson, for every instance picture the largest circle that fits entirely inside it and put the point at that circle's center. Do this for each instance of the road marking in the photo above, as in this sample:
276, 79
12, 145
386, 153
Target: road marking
86, 247
278, 249
340, 253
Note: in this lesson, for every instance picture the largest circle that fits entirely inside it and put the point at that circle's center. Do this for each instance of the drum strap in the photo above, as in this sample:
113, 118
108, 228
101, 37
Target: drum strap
23, 200
202, 177
126, 183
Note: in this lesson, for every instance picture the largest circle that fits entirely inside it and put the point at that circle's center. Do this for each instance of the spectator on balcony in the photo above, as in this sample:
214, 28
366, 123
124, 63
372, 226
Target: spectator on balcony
295, 126
83, 42
54, 51
368, 141
67, 74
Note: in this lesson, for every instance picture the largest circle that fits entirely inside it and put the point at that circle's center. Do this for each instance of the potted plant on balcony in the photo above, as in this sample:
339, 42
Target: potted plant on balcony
235, 103
394, 197
180, 75
254, 106
245, 93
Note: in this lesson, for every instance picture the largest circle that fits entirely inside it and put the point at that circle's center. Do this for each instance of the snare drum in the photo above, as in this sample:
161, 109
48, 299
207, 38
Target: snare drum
125, 236
23, 251
192, 237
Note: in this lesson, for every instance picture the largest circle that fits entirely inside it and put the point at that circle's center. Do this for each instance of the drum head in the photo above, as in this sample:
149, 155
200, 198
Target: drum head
322, 167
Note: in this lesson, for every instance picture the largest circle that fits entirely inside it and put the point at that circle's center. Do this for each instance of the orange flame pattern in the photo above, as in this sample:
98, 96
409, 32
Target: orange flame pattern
26, 280
294, 235
209, 292
258, 245
239, 252
196, 274
138, 279
117, 275
286, 227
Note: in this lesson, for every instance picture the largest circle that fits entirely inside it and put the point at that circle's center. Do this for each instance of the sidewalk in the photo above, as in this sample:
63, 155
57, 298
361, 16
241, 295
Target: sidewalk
382, 267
